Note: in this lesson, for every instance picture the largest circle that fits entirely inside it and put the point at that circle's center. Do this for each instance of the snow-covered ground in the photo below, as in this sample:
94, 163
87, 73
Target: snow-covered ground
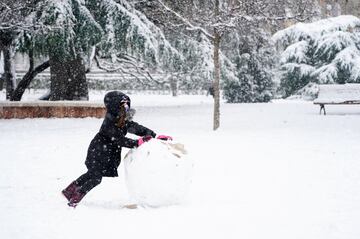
276, 170
138, 98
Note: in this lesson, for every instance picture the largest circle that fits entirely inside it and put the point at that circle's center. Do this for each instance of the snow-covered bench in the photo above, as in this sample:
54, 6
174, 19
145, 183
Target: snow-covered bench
338, 95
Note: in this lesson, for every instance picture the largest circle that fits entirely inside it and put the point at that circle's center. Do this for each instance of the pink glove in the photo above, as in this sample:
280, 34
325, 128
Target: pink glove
164, 137
144, 139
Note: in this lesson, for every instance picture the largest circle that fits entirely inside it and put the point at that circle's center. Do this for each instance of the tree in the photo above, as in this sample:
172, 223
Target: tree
216, 26
253, 82
326, 52
13, 20
112, 32
132, 43
217, 20
69, 33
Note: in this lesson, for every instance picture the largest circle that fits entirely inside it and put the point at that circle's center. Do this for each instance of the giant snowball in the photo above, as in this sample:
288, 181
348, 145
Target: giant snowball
158, 173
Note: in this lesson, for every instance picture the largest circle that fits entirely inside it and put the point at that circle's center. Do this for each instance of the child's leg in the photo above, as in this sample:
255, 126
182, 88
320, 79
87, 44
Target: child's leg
89, 180
84, 183
74, 186
83, 179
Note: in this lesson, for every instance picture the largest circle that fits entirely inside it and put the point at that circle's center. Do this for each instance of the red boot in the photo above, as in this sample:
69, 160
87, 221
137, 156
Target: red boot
76, 198
69, 190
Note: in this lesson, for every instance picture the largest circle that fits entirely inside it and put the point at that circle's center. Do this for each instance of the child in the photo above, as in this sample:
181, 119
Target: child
104, 153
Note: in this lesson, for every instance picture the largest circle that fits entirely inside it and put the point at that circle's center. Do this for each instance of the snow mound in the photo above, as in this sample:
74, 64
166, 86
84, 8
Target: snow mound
158, 173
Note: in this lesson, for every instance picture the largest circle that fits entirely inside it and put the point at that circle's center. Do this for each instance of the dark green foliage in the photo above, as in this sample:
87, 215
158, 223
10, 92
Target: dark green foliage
292, 81
253, 81
238, 91
324, 52
68, 31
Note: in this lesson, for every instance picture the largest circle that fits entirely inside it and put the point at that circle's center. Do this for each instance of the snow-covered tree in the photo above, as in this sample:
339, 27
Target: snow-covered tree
13, 20
128, 32
253, 82
112, 32
326, 51
209, 19
69, 34
217, 21
254, 58
174, 17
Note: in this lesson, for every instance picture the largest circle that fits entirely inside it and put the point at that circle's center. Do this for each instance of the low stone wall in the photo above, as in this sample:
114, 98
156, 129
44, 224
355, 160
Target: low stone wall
51, 109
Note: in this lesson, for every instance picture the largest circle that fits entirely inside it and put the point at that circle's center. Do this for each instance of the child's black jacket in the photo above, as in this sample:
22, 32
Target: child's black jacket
104, 153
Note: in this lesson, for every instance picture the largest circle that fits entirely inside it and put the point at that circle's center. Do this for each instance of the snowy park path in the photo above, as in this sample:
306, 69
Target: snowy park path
277, 170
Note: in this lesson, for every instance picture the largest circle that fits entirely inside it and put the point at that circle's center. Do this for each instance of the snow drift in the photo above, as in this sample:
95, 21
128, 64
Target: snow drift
158, 173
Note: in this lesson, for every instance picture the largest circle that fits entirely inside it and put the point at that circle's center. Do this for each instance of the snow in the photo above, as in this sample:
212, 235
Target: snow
276, 170
326, 73
331, 43
138, 99
325, 50
139, 26
158, 173
313, 30
338, 93
296, 51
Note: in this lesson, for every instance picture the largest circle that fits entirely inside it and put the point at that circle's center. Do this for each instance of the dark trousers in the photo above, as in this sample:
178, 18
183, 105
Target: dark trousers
88, 181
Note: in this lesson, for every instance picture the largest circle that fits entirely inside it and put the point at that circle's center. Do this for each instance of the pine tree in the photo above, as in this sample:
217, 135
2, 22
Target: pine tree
254, 59
116, 32
128, 31
253, 82
325, 52
69, 33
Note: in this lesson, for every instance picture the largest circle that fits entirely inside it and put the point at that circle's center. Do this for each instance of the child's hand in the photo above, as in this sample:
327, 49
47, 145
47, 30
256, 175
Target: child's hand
144, 139
164, 137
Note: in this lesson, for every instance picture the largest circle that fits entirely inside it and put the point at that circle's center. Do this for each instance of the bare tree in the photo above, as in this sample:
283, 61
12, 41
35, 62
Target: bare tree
217, 19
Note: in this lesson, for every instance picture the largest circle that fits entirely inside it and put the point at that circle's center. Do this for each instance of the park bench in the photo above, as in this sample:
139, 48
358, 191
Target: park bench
346, 94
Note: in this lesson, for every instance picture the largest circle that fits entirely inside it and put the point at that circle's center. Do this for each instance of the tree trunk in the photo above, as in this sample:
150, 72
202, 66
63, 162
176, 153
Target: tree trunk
1, 69
174, 86
26, 80
216, 83
9, 69
78, 87
68, 80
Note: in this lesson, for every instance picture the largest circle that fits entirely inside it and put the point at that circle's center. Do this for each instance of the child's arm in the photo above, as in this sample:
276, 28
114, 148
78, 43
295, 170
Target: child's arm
139, 130
129, 143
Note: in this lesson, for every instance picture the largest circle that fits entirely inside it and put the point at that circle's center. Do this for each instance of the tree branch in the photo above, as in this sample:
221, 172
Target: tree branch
190, 27
26, 80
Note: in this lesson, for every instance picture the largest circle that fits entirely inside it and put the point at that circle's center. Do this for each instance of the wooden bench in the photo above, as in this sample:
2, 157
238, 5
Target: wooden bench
347, 94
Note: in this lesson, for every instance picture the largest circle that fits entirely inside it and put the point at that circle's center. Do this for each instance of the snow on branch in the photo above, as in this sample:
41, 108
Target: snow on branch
303, 69
326, 74
332, 43
127, 65
326, 51
142, 38
302, 31
189, 25
295, 53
